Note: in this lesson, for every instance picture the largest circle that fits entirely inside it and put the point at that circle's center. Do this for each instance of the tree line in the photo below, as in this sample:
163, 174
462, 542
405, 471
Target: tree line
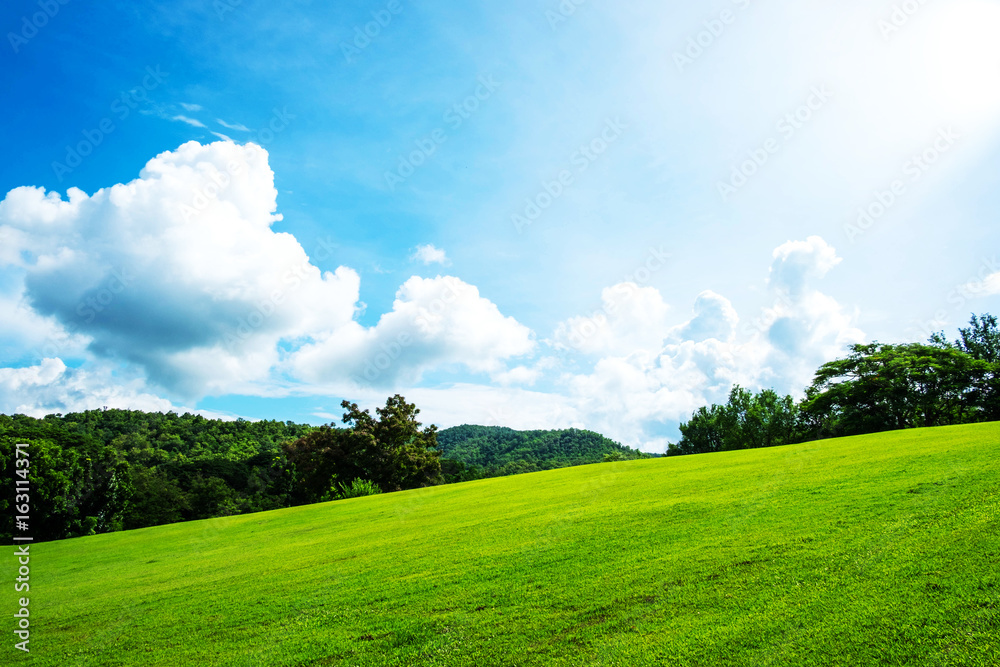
106, 470
876, 387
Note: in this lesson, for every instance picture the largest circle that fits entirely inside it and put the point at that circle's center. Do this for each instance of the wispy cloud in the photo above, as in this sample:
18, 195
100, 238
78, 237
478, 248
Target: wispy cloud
191, 107
239, 127
193, 122
222, 136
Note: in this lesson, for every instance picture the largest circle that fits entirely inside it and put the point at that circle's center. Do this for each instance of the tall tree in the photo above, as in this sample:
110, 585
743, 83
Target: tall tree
746, 421
880, 387
393, 452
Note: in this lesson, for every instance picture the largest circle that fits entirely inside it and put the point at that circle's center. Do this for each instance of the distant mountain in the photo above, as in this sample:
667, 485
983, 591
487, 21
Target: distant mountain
493, 451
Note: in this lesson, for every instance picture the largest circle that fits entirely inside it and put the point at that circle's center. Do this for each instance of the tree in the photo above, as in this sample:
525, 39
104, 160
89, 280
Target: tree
746, 421
401, 454
981, 339
880, 387
392, 452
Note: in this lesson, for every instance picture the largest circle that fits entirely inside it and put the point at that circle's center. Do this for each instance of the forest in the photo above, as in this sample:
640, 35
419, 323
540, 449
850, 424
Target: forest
107, 470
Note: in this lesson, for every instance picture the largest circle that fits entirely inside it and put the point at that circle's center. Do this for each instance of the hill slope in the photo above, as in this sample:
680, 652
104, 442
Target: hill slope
500, 450
867, 550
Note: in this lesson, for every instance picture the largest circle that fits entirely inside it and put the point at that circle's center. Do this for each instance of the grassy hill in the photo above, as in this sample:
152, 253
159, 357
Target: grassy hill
499, 450
872, 550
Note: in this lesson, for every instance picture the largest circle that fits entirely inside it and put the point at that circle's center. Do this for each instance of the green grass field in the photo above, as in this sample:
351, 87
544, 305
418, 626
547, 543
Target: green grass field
873, 550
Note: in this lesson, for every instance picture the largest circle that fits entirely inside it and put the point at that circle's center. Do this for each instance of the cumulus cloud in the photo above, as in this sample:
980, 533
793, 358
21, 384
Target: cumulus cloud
428, 254
988, 286
177, 271
797, 262
631, 319
434, 323
651, 377
714, 317
51, 387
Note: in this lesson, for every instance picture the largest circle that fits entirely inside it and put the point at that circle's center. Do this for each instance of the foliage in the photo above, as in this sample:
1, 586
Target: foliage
494, 451
392, 452
880, 387
358, 488
876, 387
746, 421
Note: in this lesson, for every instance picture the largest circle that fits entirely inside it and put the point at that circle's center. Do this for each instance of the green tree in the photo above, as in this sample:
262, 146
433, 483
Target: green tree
393, 452
748, 420
401, 455
880, 387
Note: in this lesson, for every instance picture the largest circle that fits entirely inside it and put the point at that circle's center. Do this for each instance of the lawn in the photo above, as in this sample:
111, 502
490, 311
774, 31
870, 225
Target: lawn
872, 550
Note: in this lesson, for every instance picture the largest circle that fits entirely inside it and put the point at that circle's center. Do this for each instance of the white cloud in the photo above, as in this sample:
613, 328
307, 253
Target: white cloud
428, 254
191, 107
193, 122
175, 273
434, 323
641, 389
239, 127
51, 387
988, 286
519, 375
714, 317
797, 262
631, 319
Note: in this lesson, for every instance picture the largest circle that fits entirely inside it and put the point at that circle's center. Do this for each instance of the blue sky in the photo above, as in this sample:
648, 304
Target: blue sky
536, 214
